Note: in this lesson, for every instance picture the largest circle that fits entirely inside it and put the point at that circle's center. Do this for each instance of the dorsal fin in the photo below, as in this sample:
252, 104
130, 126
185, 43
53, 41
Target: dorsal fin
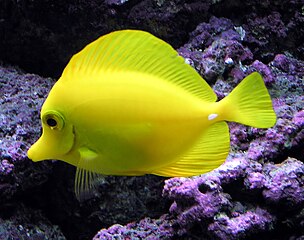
136, 51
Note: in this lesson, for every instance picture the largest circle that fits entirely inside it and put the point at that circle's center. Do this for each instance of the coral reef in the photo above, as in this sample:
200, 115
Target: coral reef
20, 101
258, 193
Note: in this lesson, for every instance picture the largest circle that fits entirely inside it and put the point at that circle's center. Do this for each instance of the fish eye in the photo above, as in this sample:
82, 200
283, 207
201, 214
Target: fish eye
53, 120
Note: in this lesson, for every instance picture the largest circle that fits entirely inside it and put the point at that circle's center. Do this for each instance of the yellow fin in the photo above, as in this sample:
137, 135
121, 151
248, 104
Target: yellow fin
136, 51
85, 180
208, 153
250, 104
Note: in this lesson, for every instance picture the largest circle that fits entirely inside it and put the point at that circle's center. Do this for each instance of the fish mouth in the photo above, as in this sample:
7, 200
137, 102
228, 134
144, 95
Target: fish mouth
35, 154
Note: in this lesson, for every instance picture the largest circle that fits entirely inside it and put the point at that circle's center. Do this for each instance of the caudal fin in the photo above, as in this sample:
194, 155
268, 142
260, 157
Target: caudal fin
250, 104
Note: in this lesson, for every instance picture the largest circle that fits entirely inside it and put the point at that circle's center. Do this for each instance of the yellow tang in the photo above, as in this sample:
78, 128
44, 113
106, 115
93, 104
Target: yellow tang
128, 104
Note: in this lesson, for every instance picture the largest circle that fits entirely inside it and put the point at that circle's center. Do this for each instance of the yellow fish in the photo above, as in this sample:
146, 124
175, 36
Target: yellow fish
128, 104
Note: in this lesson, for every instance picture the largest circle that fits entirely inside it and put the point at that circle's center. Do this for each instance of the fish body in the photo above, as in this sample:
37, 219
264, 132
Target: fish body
127, 104
142, 125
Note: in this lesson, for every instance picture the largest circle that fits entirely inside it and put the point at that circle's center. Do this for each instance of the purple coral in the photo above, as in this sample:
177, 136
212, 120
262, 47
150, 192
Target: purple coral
284, 183
253, 221
215, 48
203, 200
6, 167
22, 96
195, 200
147, 228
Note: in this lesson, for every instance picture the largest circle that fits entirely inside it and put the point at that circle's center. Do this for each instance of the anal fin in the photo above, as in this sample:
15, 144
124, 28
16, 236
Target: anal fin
208, 153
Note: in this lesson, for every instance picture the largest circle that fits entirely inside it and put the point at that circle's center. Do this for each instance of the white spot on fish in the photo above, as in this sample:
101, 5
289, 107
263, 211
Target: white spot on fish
212, 116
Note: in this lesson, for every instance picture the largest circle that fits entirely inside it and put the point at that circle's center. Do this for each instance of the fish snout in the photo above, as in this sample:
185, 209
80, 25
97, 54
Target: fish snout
36, 152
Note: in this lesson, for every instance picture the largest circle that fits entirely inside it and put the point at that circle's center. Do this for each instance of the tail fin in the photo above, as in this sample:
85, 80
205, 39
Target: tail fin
249, 103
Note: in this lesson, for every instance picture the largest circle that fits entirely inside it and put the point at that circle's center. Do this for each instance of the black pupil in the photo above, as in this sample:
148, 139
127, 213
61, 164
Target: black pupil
51, 122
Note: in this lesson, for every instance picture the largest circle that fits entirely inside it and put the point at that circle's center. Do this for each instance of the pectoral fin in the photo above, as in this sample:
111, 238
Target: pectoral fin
86, 180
